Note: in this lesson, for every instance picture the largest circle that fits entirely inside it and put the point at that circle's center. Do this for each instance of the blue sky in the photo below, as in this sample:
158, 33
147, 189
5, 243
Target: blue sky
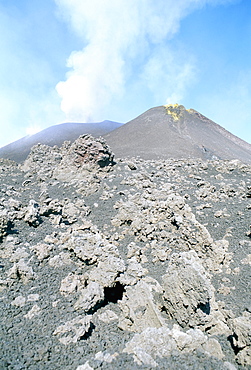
91, 60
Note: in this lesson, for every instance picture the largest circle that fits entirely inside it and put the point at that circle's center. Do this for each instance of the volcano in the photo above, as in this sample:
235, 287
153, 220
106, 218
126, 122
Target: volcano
163, 132
174, 132
55, 135
129, 263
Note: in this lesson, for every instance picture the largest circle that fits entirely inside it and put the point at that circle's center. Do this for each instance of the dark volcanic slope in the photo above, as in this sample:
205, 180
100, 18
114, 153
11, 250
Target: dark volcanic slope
55, 135
129, 265
174, 132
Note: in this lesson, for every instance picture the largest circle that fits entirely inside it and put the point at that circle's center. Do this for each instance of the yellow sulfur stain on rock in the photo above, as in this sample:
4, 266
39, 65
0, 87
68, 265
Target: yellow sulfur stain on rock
175, 110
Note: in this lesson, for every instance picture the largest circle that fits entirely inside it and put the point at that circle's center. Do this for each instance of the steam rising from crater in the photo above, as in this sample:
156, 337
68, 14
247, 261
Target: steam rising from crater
120, 37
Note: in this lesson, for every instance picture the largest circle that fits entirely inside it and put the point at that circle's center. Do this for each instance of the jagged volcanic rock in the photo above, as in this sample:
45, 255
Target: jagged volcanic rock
55, 135
160, 133
124, 264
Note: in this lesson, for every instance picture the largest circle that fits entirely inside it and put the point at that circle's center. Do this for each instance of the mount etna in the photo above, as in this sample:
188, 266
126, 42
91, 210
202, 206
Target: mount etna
160, 133
130, 251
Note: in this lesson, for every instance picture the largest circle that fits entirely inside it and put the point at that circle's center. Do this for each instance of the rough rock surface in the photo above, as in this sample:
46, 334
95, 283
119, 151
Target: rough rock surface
187, 291
129, 264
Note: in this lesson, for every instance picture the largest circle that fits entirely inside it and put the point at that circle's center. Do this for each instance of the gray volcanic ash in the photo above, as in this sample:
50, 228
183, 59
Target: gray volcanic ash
174, 132
111, 263
159, 133
133, 263
55, 135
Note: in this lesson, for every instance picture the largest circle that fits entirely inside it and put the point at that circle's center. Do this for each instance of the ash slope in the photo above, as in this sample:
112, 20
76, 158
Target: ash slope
132, 265
174, 132
55, 135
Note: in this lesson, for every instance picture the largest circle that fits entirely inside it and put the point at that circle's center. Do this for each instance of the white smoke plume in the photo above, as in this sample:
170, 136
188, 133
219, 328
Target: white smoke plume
120, 37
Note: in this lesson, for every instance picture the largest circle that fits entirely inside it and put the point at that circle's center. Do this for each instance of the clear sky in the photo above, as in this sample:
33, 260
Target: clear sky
91, 60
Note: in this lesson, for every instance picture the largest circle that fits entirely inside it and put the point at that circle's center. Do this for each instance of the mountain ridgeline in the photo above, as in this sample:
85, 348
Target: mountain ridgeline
174, 132
162, 132
108, 262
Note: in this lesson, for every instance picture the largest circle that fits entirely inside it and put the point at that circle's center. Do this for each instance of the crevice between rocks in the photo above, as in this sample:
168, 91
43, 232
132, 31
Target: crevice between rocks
205, 307
111, 295
232, 338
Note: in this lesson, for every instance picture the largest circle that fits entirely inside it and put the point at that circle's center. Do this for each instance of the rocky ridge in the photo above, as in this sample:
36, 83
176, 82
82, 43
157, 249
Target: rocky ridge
124, 263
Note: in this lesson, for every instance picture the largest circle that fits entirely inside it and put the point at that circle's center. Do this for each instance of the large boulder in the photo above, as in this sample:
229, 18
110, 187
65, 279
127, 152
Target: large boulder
187, 289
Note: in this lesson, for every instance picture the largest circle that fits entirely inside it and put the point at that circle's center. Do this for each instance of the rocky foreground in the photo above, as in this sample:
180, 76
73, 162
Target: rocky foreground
111, 263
